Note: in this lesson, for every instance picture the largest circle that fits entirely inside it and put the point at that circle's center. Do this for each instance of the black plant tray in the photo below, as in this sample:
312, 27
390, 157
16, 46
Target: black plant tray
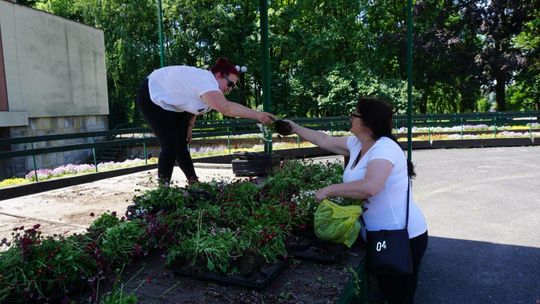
258, 281
316, 250
316, 254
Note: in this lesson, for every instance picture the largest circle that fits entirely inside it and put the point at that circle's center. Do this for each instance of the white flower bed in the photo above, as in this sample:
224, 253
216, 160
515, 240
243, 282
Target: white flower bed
71, 169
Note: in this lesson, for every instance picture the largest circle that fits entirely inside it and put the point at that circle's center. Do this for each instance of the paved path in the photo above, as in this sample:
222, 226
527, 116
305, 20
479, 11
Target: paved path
483, 212
482, 208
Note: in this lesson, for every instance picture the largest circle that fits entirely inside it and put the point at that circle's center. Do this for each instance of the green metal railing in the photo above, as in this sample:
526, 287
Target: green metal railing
233, 127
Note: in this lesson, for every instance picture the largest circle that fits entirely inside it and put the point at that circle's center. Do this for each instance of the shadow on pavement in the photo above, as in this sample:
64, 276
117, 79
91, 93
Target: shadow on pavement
464, 271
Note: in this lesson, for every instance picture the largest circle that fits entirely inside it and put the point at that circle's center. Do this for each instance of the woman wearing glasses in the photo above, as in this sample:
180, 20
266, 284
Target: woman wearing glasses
170, 99
377, 173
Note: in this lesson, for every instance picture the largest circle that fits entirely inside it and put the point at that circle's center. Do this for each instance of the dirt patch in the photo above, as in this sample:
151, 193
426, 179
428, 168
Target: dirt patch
67, 210
302, 281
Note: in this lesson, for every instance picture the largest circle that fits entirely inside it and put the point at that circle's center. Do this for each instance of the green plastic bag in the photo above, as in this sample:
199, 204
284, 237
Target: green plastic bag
338, 224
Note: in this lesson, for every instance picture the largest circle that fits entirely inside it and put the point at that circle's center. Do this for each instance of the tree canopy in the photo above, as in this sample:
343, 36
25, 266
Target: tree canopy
324, 54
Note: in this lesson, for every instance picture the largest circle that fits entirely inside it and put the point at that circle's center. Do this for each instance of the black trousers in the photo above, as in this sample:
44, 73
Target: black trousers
171, 130
401, 288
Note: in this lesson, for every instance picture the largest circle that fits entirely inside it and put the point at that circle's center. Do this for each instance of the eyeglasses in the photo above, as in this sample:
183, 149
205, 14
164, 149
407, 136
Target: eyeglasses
353, 115
230, 83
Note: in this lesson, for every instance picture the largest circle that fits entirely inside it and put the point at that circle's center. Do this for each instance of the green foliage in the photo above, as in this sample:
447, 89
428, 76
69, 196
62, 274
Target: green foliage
161, 198
524, 94
118, 296
38, 267
242, 222
304, 175
122, 242
102, 223
241, 193
325, 53
222, 227
482, 105
214, 246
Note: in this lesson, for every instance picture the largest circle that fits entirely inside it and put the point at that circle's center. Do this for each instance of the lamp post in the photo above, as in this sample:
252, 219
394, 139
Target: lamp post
409, 78
267, 105
160, 29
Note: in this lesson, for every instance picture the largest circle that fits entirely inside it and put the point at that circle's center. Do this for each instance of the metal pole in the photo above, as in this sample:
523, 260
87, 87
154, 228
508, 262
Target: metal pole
461, 121
267, 105
160, 29
34, 160
229, 139
94, 153
144, 150
409, 78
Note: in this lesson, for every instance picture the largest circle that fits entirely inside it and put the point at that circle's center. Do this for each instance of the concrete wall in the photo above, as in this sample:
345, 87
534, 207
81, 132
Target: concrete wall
19, 166
55, 80
53, 66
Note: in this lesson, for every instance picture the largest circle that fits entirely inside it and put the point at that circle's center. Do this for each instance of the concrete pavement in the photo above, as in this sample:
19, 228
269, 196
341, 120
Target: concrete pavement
483, 212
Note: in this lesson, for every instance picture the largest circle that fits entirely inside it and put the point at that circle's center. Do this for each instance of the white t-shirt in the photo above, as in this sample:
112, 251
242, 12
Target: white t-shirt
179, 88
387, 209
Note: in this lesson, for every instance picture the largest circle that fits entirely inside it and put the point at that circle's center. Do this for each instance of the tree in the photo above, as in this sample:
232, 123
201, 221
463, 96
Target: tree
525, 91
315, 51
501, 21
323, 54
445, 47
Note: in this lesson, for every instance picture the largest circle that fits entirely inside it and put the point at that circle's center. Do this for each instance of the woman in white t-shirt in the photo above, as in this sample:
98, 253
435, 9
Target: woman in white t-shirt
170, 99
378, 173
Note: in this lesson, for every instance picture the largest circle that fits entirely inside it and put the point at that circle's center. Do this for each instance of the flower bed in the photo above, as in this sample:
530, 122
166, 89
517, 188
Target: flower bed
38, 269
230, 231
235, 228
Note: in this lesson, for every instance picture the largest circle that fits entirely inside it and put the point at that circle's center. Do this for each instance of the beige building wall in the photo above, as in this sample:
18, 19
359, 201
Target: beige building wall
55, 80
53, 66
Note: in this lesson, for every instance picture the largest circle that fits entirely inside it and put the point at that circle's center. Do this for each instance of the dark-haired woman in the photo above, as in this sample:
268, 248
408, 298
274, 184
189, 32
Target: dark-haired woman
378, 172
170, 99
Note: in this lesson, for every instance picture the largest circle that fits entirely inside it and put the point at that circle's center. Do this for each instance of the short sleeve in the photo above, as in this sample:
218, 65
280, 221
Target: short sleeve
386, 149
352, 142
205, 84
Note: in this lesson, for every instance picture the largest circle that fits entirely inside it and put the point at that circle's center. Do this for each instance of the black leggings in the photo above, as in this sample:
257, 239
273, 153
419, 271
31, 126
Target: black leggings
401, 288
171, 130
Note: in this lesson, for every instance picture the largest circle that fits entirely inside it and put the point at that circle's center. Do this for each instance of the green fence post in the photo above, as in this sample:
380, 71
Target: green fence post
429, 130
144, 150
461, 121
495, 125
94, 153
34, 160
530, 129
229, 139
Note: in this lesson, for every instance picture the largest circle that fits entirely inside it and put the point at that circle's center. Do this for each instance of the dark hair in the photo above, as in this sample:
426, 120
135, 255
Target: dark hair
377, 116
224, 66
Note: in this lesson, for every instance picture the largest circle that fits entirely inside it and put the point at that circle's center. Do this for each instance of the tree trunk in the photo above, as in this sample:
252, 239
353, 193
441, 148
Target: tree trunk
422, 105
499, 93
